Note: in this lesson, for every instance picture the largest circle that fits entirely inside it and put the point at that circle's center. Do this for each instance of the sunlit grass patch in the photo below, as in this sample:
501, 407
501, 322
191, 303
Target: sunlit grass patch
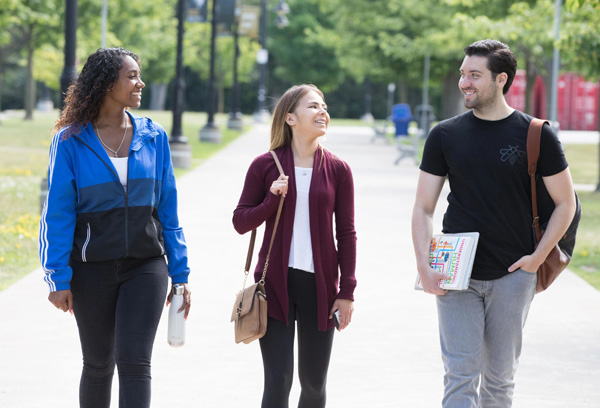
586, 257
19, 221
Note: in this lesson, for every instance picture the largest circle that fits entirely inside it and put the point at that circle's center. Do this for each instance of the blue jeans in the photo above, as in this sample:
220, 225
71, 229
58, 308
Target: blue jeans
117, 305
481, 331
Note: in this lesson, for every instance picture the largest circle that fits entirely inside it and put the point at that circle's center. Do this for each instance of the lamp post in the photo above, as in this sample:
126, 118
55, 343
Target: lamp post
69, 72
104, 18
181, 153
210, 132
235, 116
368, 116
390, 102
261, 114
262, 57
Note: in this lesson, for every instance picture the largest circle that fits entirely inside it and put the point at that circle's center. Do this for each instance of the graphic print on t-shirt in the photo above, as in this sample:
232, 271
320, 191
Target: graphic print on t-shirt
512, 154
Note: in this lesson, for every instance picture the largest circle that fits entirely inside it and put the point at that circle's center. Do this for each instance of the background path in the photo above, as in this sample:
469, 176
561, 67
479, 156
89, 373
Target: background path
388, 357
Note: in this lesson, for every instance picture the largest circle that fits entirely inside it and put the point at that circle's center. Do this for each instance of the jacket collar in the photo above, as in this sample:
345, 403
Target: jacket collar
143, 131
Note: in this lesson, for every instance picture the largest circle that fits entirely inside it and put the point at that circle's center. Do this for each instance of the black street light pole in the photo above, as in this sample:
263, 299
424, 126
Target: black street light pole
210, 132
235, 116
261, 113
69, 70
176, 133
181, 153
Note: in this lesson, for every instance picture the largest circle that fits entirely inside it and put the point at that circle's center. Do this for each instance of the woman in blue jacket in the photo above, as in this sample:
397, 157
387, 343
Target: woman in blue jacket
109, 220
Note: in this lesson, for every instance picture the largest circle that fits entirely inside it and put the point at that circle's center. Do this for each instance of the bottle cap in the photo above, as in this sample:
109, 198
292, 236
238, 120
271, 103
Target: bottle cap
178, 289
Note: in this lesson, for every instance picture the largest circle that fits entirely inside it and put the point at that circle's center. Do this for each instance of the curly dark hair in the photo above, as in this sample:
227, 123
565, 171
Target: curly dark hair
86, 94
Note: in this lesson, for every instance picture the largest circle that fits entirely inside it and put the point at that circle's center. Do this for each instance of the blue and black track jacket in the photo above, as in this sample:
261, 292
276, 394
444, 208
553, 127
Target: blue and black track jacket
89, 217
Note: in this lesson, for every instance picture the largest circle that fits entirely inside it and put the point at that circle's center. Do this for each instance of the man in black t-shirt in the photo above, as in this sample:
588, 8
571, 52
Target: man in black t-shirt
483, 154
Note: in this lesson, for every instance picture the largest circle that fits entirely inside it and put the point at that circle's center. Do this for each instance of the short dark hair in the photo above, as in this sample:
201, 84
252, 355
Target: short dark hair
499, 59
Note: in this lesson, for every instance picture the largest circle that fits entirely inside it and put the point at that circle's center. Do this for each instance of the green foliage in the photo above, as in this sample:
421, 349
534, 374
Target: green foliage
48, 64
573, 5
148, 28
385, 40
7, 18
299, 53
197, 54
580, 39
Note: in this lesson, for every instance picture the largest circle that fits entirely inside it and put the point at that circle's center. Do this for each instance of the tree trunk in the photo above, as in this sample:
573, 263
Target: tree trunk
220, 97
1, 87
403, 92
452, 101
29, 82
158, 96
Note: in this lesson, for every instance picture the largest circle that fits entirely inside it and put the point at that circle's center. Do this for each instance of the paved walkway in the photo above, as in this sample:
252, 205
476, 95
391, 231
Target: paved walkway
388, 357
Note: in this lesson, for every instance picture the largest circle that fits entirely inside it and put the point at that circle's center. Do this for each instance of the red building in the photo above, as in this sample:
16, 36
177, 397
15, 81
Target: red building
577, 100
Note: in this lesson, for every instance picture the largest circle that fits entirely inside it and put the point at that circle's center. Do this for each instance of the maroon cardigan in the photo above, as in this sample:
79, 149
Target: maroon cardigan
331, 192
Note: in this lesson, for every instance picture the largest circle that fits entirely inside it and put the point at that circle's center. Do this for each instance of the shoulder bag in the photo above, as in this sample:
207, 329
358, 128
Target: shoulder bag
250, 307
542, 207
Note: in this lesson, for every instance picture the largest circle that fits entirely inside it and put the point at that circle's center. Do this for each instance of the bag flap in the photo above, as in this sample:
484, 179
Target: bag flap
245, 299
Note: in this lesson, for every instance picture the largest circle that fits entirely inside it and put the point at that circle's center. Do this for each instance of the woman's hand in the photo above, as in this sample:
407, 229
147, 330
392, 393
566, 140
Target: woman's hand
62, 299
187, 299
346, 307
280, 186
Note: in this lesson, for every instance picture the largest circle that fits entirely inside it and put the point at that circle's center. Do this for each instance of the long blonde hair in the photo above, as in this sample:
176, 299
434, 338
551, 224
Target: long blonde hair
281, 132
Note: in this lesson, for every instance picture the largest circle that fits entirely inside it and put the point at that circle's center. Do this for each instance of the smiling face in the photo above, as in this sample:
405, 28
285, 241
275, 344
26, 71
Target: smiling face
310, 116
127, 91
480, 90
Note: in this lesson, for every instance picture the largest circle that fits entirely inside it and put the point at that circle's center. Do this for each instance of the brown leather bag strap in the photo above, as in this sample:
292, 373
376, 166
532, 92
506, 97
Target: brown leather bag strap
250, 252
253, 236
533, 153
277, 162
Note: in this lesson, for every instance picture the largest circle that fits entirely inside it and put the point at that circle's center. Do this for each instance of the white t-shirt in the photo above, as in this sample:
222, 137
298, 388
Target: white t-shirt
120, 164
301, 255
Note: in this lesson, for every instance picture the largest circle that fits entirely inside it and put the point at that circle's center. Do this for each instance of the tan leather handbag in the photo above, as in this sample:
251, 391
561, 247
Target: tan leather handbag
250, 308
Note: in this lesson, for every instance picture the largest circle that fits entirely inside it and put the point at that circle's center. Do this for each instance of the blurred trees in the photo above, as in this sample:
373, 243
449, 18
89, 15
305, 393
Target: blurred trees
334, 44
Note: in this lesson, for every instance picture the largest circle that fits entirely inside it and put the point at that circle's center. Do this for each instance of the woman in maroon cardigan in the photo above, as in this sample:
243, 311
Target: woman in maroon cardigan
308, 279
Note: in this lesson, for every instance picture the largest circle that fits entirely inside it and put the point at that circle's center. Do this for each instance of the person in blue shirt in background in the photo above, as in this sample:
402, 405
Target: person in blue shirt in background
108, 221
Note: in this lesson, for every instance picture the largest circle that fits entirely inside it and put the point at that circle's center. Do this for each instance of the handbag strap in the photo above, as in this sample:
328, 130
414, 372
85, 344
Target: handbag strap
533, 153
253, 236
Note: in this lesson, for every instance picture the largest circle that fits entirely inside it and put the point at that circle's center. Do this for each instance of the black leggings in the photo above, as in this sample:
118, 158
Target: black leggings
314, 348
117, 305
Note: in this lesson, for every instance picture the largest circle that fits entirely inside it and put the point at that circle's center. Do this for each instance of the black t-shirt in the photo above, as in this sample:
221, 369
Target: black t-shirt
490, 192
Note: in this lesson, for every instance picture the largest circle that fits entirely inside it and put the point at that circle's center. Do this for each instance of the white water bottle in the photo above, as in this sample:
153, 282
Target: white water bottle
176, 335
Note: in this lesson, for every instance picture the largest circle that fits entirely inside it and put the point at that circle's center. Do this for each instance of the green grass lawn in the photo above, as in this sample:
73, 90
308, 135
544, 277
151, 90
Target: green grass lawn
583, 163
586, 257
24, 164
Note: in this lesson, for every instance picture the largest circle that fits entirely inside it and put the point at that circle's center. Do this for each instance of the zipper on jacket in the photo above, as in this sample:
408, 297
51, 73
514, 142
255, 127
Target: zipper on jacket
122, 188
85, 244
127, 206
